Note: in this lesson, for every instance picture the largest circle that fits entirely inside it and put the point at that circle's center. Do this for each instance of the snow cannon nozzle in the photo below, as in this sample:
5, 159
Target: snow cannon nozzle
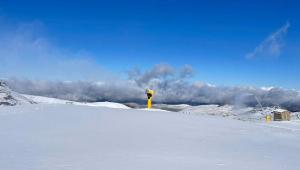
149, 93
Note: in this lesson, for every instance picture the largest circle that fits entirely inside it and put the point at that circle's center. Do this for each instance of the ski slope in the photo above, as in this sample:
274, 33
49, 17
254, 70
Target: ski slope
49, 100
74, 137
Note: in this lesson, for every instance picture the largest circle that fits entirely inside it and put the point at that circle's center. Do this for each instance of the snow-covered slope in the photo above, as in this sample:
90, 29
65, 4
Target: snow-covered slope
10, 98
72, 137
106, 104
49, 100
171, 107
241, 113
210, 110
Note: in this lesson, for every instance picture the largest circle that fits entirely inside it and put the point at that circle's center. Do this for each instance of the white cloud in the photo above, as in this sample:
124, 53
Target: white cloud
169, 87
27, 51
272, 45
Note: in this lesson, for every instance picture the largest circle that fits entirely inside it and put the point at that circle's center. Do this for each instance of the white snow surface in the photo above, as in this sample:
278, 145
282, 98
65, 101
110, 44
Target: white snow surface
226, 110
49, 100
73, 137
241, 113
210, 109
153, 110
107, 104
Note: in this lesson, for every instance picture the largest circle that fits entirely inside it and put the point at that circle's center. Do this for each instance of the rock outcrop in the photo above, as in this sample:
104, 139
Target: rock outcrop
11, 98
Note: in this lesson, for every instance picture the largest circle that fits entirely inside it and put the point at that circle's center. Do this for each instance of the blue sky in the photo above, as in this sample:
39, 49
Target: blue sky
214, 37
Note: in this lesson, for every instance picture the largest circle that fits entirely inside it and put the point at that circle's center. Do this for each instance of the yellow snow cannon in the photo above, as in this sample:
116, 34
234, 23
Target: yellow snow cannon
268, 118
150, 94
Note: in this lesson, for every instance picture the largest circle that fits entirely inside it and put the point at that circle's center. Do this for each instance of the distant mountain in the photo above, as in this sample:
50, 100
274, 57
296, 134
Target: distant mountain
11, 98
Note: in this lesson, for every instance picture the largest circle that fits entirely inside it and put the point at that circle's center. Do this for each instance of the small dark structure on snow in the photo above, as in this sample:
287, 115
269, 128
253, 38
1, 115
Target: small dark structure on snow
281, 115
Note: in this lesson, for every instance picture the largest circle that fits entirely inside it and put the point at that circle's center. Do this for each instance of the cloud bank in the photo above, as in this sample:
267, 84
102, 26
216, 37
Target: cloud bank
171, 85
272, 45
